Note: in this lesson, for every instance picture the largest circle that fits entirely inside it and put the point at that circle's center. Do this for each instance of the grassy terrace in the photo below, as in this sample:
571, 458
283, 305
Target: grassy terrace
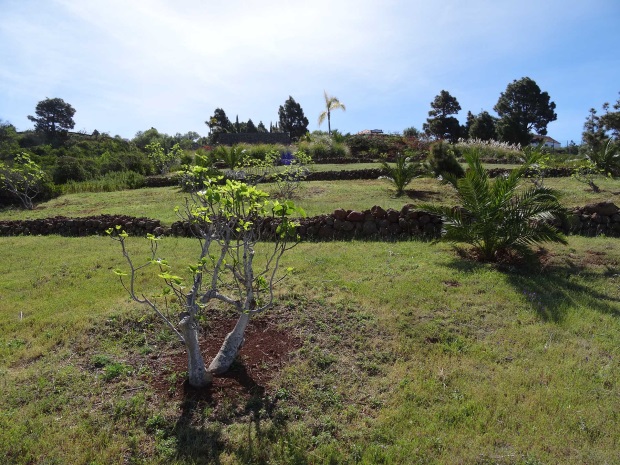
404, 352
316, 198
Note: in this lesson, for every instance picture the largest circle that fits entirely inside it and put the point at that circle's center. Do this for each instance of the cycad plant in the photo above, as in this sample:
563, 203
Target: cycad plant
402, 173
498, 217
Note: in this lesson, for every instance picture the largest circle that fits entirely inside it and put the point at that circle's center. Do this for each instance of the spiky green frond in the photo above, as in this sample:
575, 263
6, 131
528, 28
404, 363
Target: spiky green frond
498, 215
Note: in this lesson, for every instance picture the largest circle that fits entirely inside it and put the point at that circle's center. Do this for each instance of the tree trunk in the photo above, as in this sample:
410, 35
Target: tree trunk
196, 370
233, 342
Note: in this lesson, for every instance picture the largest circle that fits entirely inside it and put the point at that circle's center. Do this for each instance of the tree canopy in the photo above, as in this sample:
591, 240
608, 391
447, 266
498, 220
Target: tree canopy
292, 118
54, 118
521, 109
483, 126
597, 130
219, 122
440, 124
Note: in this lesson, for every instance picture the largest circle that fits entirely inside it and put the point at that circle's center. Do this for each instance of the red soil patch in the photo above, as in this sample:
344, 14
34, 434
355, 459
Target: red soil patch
266, 349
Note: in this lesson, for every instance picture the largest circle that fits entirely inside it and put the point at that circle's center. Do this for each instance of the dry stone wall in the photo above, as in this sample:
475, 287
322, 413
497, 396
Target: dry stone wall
374, 223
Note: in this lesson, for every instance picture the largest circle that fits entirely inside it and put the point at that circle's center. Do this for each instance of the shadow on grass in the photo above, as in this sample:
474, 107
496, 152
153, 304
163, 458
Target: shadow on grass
199, 431
553, 289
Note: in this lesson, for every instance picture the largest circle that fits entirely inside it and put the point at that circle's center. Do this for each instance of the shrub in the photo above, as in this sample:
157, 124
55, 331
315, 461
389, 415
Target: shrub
499, 217
134, 161
287, 183
321, 147
442, 161
74, 169
606, 159
25, 182
402, 173
110, 182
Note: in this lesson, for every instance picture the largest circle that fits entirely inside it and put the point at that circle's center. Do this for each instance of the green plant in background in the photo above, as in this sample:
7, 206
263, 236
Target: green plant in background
539, 162
161, 158
586, 172
606, 159
25, 180
498, 216
110, 182
402, 173
233, 157
288, 182
322, 146
492, 149
442, 162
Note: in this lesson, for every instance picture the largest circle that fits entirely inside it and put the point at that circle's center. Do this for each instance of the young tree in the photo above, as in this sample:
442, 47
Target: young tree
412, 132
292, 118
54, 118
331, 103
228, 222
521, 109
440, 124
24, 179
163, 159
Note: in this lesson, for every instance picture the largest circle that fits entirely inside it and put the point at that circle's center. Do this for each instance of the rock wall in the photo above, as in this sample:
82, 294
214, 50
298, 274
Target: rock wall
594, 220
375, 223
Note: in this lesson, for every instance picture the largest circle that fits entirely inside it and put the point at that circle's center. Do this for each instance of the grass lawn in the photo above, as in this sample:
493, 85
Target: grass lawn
400, 352
407, 354
315, 197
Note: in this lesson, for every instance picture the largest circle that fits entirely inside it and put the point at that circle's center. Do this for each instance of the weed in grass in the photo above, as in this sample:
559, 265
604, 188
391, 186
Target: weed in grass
115, 370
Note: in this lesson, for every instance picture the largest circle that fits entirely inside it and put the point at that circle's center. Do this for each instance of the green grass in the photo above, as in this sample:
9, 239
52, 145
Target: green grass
410, 355
317, 197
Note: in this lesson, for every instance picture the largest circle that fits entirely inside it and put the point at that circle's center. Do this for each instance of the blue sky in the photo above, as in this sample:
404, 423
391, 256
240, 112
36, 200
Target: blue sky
126, 66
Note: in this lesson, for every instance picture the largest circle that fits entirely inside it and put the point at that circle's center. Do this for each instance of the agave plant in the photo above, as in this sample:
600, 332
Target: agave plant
402, 173
500, 216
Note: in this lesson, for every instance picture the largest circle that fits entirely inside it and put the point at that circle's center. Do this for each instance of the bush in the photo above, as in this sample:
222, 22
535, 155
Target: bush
500, 217
320, 147
110, 182
24, 182
74, 169
261, 151
373, 145
134, 161
442, 161
402, 173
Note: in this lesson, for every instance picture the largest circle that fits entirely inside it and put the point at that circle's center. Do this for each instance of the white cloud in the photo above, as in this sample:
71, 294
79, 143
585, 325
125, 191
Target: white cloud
127, 66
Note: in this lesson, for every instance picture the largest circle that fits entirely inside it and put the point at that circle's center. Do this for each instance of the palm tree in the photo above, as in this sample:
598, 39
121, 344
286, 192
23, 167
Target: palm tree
331, 103
500, 216
402, 173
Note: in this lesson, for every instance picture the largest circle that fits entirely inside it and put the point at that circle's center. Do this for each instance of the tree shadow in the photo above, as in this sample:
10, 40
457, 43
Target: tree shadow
421, 195
199, 431
552, 289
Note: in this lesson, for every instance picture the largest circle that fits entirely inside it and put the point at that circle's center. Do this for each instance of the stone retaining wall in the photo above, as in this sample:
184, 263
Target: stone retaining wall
375, 223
